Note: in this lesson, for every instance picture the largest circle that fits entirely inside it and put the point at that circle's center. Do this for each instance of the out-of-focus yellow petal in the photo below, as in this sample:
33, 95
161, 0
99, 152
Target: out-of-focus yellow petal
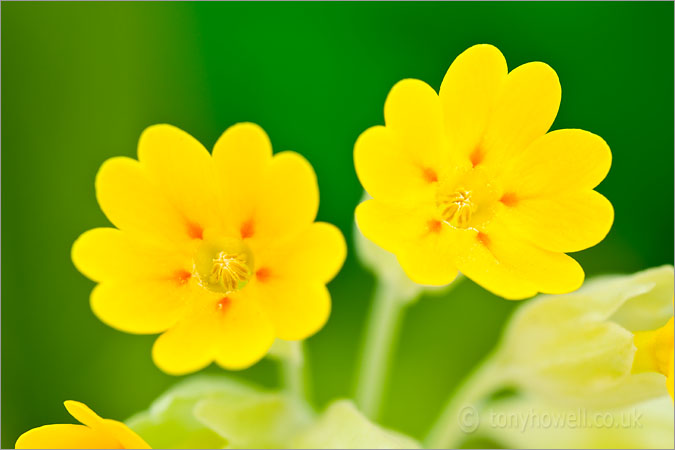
468, 94
287, 202
190, 345
96, 433
134, 203
142, 306
125, 435
83, 413
241, 157
317, 254
560, 161
118, 431
183, 169
111, 254
245, 332
655, 352
670, 381
297, 309
565, 223
391, 172
525, 109
65, 436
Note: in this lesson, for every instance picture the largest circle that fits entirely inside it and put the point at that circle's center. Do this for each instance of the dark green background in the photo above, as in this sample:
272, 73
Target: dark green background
80, 81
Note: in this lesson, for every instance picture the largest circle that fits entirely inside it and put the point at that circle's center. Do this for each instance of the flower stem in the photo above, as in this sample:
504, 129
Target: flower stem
293, 372
381, 336
461, 414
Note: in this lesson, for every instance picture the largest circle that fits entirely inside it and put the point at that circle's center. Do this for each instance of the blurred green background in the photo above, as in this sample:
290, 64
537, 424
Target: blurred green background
80, 81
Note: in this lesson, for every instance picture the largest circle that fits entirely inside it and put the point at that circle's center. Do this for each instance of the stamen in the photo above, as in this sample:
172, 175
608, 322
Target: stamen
230, 271
457, 209
223, 265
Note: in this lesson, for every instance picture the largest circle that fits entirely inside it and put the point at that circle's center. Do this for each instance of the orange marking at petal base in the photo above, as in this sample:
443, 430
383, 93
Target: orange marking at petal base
263, 274
509, 199
429, 175
223, 304
195, 231
434, 226
247, 229
182, 276
483, 238
477, 156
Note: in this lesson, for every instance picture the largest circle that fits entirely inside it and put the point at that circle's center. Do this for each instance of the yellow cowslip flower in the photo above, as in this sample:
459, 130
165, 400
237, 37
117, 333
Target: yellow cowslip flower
595, 346
470, 179
220, 252
655, 352
95, 432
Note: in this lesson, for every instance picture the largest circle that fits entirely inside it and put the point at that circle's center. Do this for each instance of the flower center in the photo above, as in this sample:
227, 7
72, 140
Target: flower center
230, 271
223, 265
457, 208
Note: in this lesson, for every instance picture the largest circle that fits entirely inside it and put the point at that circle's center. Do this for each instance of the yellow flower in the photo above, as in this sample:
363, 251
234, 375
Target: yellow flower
95, 432
470, 180
592, 347
655, 352
220, 252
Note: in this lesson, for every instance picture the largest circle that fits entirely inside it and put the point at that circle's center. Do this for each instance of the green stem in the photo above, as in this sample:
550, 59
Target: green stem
381, 336
293, 372
460, 416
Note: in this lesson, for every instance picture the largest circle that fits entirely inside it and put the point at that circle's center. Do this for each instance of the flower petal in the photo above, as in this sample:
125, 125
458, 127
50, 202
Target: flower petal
525, 109
298, 309
392, 228
412, 112
233, 331
318, 254
287, 202
190, 345
142, 306
560, 161
565, 223
184, 171
480, 264
513, 268
111, 254
245, 333
422, 245
389, 171
468, 94
430, 261
241, 157
119, 432
134, 203
125, 435
414, 117
65, 436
